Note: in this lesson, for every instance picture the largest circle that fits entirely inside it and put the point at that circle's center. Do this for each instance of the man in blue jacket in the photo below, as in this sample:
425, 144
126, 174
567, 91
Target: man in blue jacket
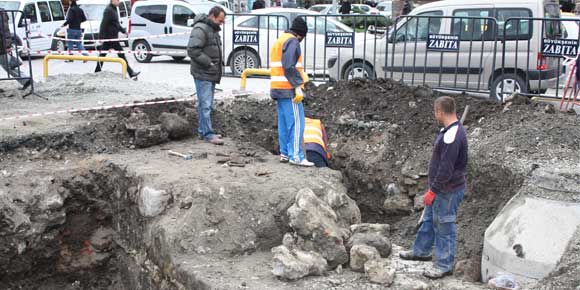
446, 189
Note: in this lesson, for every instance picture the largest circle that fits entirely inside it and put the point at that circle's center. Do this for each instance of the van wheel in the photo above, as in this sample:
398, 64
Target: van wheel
357, 71
59, 45
243, 59
512, 83
142, 51
178, 58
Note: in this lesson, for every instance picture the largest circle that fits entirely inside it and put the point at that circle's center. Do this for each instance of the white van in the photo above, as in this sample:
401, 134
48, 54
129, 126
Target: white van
44, 19
474, 65
94, 12
158, 17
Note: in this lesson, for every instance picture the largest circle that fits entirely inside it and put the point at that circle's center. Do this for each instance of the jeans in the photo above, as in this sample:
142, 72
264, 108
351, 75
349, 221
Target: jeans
74, 34
116, 46
6, 61
439, 229
291, 129
205, 91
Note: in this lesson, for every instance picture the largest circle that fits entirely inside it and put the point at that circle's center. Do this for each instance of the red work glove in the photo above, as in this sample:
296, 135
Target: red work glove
429, 197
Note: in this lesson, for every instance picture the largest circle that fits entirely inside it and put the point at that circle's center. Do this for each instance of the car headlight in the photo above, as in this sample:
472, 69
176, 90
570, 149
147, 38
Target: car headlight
331, 62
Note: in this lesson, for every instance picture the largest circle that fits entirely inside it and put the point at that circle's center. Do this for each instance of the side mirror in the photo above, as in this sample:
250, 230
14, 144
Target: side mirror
190, 22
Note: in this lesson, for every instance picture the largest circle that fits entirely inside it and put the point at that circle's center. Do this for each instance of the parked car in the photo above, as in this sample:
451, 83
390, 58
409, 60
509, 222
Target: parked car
158, 17
476, 66
355, 9
385, 8
43, 17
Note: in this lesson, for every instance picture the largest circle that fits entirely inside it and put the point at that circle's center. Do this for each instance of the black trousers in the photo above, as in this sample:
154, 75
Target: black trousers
116, 46
316, 158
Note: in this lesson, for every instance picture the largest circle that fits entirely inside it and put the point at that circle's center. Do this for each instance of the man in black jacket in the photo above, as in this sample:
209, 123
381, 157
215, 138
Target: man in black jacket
205, 50
110, 28
9, 62
74, 18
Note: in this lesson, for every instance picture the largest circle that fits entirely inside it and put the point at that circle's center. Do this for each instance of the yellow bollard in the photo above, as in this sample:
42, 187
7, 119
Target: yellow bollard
83, 58
252, 71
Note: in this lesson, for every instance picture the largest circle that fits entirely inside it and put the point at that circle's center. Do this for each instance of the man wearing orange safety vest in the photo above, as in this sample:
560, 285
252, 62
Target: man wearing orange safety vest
287, 83
315, 143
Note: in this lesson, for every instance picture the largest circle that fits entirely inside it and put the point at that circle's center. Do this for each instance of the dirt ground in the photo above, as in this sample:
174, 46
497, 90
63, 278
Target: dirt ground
380, 133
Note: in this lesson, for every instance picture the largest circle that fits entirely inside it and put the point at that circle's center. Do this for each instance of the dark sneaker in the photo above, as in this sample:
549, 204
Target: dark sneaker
135, 75
284, 158
408, 255
215, 140
436, 273
26, 85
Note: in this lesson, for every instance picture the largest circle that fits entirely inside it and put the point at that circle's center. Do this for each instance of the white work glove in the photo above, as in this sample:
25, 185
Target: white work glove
298, 95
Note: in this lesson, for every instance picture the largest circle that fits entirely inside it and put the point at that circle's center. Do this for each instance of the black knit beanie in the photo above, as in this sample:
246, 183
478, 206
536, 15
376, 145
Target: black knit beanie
299, 26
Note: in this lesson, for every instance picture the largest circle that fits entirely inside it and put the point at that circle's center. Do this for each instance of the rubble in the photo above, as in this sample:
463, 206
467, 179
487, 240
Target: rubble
295, 264
361, 254
380, 272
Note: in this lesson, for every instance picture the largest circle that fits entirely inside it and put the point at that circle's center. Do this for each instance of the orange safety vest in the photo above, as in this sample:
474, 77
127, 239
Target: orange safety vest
314, 133
278, 80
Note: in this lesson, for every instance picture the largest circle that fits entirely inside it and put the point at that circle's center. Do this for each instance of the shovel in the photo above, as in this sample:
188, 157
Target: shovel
420, 222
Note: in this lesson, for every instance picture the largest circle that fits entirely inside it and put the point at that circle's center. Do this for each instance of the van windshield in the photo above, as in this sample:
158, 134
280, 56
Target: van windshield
9, 5
93, 11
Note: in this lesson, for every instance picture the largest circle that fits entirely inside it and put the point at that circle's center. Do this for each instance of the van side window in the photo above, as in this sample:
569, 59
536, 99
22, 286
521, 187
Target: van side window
514, 29
417, 28
477, 29
154, 13
56, 9
122, 10
250, 23
181, 14
128, 5
552, 29
30, 12
44, 11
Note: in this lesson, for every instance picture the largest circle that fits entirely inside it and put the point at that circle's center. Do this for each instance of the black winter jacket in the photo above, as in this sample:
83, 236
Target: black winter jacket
5, 35
110, 26
75, 17
205, 50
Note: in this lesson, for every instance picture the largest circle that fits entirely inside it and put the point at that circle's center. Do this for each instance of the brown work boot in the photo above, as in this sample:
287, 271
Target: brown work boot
215, 140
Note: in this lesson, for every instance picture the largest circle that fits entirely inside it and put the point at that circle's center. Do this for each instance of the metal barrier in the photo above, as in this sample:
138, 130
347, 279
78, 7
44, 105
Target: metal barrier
83, 58
532, 53
248, 42
336, 43
10, 62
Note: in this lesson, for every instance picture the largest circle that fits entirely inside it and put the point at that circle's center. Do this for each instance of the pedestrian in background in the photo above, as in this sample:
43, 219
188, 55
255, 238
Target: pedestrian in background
287, 81
110, 28
345, 7
9, 62
205, 50
259, 4
74, 17
447, 179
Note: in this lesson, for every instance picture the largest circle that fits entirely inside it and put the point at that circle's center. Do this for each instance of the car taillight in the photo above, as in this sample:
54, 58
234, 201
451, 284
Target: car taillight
129, 30
542, 63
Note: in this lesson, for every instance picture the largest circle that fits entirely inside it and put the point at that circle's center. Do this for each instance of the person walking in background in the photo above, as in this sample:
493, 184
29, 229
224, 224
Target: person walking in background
9, 62
408, 7
74, 17
205, 50
110, 28
287, 81
259, 4
447, 179
345, 7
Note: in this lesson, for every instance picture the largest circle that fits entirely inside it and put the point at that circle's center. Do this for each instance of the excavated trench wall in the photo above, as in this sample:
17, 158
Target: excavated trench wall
372, 151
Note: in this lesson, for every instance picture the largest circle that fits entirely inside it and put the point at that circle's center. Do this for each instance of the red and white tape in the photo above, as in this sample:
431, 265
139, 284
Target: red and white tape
83, 52
108, 40
116, 106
